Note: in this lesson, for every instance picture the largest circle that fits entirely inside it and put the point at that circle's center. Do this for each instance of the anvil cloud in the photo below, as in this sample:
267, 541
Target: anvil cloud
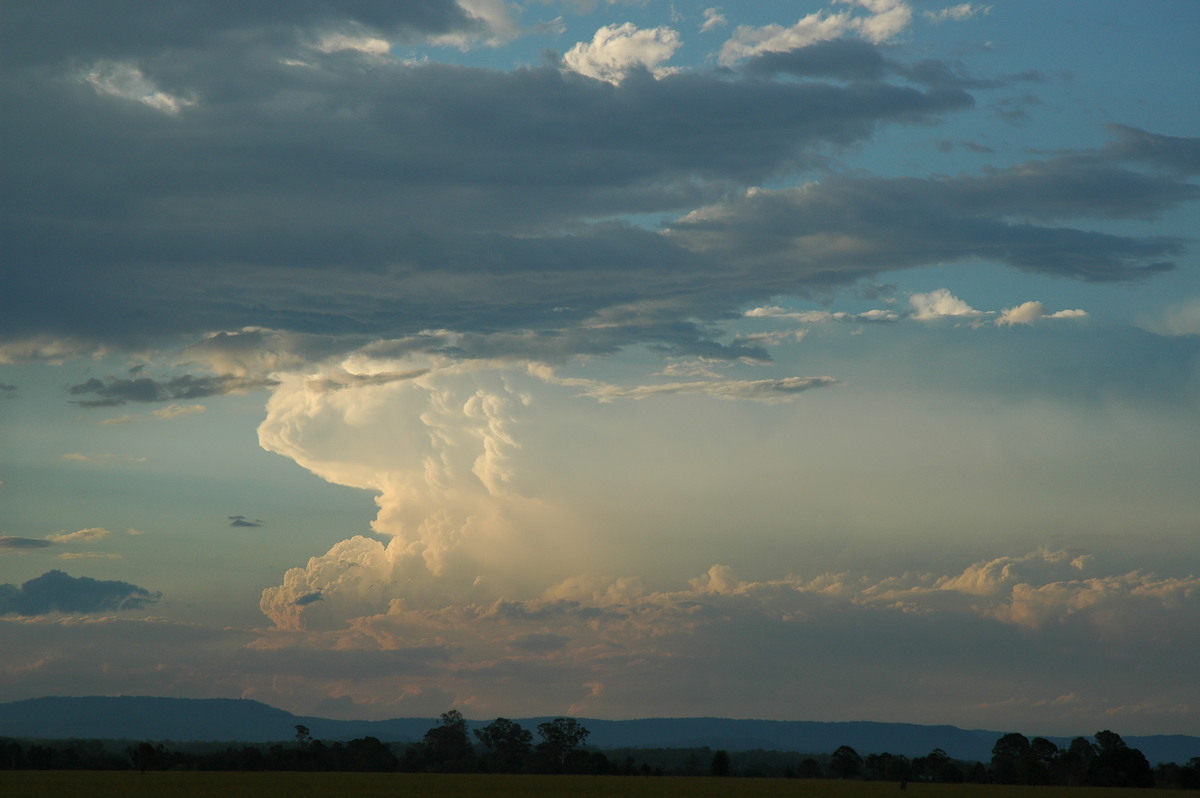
833, 361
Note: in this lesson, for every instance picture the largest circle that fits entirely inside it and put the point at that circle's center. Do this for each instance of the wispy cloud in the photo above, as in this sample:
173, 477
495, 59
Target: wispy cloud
958, 13
102, 459
89, 535
769, 390
162, 414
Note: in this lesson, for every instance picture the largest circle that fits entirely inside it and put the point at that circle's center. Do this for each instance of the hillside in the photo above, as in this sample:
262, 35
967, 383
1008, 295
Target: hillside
218, 719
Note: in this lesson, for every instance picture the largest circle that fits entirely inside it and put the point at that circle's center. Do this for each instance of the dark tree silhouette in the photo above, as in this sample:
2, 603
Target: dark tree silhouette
507, 743
560, 737
720, 764
1007, 756
303, 737
447, 747
1118, 765
845, 762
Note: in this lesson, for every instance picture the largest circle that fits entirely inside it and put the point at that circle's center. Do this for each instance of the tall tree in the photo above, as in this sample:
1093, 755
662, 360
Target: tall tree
508, 744
1118, 765
1007, 756
845, 762
560, 737
447, 747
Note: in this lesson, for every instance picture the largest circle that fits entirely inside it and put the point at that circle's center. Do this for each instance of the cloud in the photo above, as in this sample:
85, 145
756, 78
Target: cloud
768, 390
885, 20
1181, 318
874, 316
162, 414
7, 390
82, 536
437, 448
958, 13
242, 521
584, 631
63, 28
46, 349
713, 19
55, 591
126, 81
493, 24
616, 50
1030, 312
941, 304
361, 43
12, 543
115, 391
101, 459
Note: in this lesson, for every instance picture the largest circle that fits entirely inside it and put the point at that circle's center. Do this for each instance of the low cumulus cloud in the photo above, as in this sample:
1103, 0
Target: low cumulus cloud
616, 50
932, 306
1030, 312
587, 630
55, 591
243, 521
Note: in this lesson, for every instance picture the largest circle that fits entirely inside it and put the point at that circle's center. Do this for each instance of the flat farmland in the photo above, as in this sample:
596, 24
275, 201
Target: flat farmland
118, 784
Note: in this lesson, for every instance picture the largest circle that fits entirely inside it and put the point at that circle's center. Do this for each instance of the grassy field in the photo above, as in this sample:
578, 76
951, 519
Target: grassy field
40, 784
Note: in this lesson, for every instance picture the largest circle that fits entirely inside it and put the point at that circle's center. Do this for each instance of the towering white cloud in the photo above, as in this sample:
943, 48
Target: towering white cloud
435, 444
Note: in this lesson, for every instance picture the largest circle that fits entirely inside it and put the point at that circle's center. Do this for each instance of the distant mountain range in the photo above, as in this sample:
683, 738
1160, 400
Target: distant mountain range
222, 719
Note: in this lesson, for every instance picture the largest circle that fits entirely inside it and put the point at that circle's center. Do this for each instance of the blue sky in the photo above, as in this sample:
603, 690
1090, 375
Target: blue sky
814, 360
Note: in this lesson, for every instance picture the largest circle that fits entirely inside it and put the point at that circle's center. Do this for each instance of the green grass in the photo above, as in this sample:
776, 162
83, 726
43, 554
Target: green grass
117, 784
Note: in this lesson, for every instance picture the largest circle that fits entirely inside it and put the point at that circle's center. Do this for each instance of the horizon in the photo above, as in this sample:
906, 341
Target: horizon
781, 360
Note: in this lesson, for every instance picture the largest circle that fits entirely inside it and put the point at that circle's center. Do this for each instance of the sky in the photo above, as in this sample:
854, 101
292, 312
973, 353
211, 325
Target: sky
789, 360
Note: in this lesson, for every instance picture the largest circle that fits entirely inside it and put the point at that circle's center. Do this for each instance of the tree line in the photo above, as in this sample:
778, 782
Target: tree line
504, 746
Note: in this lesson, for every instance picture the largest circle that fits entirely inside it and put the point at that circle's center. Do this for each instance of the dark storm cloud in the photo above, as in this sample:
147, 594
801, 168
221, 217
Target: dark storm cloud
55, 591
333, 196
1172, 152
50, 30
115, 391
242, 521
844, 59
20, 544
906, 222
858, 60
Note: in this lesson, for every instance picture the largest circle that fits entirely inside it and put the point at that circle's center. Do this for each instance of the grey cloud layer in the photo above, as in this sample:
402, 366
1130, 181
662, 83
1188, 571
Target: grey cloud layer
339, 195
47, 32
114, 391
